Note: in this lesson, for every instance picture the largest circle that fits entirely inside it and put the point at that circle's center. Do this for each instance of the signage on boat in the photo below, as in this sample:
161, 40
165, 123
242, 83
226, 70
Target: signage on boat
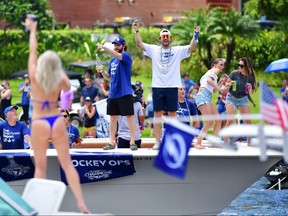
100, 166
16, 166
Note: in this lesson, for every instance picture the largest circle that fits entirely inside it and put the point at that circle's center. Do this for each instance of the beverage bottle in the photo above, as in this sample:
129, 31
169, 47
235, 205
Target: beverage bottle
98, 61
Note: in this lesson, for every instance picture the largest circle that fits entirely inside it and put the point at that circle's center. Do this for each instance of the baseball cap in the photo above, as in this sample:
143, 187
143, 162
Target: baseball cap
119, 40
87, 99
138, 83
26, 76
8, 109
165, 31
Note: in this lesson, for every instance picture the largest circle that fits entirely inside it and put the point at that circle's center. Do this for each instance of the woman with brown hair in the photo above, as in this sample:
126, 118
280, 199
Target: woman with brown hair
238, 97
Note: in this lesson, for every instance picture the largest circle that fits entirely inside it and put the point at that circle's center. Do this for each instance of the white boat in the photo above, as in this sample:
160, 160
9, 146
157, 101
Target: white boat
215, 177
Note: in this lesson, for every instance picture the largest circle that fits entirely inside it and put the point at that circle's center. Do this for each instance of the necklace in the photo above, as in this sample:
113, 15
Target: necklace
165, 58
181, 112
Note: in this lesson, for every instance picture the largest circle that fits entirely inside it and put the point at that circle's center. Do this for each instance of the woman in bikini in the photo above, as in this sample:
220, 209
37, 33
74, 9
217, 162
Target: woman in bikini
48, 78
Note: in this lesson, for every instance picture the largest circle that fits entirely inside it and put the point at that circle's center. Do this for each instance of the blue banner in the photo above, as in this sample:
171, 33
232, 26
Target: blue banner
173, 153
16, 166
99, 166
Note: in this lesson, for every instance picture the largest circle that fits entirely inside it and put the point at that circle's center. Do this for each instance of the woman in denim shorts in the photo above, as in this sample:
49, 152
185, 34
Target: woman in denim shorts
244, 84
208, 85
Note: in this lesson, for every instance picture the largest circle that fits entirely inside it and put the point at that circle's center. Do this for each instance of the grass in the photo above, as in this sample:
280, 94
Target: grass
146, 81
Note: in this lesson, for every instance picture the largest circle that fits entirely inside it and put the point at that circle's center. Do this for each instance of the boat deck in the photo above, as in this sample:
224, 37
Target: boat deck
214, 177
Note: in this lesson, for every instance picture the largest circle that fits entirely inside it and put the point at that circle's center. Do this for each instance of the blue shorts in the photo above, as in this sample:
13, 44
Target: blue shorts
165, 99
203, 97
237, 102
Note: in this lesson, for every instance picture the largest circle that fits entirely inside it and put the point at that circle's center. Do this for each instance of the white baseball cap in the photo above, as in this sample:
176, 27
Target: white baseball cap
165, 31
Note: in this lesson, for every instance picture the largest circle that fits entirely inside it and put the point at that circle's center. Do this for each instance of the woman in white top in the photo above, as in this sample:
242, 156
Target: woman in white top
208, 85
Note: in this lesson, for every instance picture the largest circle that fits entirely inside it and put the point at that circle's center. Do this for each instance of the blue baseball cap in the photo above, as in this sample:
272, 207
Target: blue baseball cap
8, 109
119, 40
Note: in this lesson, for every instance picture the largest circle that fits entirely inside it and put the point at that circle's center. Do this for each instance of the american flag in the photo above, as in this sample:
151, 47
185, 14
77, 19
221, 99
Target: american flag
273, 109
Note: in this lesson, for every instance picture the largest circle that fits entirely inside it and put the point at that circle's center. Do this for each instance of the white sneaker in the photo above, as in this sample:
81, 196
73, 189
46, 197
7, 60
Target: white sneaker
156, 145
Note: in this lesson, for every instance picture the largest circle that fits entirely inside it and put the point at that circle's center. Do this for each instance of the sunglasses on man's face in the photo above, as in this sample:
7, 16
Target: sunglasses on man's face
241, 65
165, 36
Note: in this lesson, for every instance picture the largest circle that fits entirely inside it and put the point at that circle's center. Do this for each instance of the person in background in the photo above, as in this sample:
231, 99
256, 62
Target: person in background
103, 90
186, 108
244, 84
88, 115
208, 85
13, 132
221, 100
123, 127
66, 99
120, 101
73, 132
47, 79
89, 90
284, 90
188, 84
166, 78
24, 89
89, 74
6, 97
150, 111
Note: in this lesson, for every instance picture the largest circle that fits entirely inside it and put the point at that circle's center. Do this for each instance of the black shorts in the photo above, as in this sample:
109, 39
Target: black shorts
120, 106
122, 143
165, 99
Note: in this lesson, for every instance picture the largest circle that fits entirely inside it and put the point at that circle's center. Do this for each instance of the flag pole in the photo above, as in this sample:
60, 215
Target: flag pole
262, 143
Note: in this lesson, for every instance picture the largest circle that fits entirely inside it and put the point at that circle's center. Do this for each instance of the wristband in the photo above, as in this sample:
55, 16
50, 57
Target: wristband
196, 34
136, 31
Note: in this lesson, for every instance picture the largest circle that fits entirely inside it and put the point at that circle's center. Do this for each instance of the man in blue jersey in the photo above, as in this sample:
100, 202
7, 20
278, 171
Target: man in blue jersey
13, 132
120, 100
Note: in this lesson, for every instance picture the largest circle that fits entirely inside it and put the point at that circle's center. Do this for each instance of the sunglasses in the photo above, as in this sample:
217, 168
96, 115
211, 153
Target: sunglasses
241, 65
165, 36
65, 116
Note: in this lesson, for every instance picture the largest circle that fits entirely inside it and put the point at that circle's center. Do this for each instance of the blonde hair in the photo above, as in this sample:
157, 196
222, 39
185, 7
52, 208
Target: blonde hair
49, 72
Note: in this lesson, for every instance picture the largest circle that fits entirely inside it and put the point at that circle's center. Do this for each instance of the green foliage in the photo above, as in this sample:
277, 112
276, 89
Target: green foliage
272, 9
218, 33
14, 12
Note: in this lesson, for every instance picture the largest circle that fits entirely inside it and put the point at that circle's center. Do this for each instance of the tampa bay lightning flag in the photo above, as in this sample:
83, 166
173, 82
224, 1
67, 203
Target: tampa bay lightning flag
173, 153
16, 166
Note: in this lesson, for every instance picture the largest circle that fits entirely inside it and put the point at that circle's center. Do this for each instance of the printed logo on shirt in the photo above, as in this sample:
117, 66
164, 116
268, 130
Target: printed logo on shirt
8, 136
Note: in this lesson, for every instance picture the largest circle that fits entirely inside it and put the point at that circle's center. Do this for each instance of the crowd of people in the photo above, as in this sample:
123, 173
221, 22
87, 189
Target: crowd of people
47, 100
169, 94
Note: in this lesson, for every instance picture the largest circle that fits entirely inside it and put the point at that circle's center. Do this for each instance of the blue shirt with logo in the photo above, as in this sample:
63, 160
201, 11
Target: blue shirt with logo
12, 137
73, 133
120, 76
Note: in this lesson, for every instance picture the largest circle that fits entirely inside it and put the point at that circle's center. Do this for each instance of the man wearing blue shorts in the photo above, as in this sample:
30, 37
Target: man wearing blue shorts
166, 77
120, 100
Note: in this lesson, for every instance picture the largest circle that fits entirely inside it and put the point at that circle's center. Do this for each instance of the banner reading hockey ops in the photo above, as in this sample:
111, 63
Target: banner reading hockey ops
100, 166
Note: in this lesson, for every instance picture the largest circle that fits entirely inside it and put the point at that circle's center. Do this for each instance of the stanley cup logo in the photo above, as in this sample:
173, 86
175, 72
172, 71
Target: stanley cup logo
13, 168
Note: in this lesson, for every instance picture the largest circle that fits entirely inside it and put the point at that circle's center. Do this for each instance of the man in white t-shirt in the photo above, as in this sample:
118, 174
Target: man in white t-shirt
166, 78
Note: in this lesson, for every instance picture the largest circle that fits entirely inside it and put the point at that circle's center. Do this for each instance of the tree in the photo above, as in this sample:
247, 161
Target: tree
272, 9
14, 12
219, 30
228, 25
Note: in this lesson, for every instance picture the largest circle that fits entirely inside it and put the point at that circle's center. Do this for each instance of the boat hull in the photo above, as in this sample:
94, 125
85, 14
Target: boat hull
214, 178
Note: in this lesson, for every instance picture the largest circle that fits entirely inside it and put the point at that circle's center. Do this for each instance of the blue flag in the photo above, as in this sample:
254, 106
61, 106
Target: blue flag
173, 153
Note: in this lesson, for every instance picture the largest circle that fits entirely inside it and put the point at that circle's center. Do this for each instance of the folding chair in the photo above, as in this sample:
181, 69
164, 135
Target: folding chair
44, 195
